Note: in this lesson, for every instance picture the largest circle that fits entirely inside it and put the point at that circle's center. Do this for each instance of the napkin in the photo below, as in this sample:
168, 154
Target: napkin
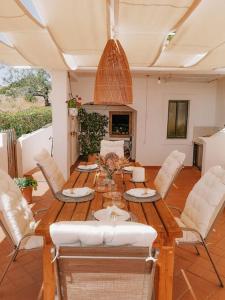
114, 209
87, 167
141, 192
77, 192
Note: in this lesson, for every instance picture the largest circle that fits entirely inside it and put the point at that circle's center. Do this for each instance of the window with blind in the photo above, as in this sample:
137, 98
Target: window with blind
177, 119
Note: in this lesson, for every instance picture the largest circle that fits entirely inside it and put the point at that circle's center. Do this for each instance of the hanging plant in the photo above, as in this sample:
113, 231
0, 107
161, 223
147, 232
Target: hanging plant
93, 128
73, 105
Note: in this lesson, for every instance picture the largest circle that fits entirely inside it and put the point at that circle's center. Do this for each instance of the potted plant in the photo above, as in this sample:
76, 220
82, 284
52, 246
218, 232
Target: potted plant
73, 104
26, 185
93, 128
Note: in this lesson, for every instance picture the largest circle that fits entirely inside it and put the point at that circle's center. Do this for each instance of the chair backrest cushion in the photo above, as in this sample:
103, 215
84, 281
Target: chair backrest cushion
16, 213
89, 233
51, 170
205, 201
168, 171
112, 146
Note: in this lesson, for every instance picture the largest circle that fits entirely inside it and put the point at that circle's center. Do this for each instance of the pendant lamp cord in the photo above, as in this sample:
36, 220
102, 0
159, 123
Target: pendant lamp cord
146, 106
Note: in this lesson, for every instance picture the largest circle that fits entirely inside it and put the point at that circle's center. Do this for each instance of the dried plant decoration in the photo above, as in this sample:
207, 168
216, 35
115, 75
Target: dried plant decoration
113, 83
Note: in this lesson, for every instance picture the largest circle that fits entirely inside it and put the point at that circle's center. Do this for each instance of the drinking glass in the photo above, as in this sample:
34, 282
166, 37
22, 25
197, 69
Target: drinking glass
101, 184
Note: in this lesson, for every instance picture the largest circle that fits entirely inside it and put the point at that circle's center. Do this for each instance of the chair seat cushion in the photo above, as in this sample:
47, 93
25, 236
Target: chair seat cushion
188, 236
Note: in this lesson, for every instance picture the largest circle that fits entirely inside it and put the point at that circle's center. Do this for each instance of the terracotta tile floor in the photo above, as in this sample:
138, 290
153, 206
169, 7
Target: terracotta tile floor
25, 276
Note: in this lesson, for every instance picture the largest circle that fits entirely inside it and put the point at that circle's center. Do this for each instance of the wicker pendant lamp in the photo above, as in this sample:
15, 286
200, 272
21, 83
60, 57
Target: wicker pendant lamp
113, 83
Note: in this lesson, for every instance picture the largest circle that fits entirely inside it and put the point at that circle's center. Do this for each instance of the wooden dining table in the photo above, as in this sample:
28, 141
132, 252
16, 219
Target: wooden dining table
156, 214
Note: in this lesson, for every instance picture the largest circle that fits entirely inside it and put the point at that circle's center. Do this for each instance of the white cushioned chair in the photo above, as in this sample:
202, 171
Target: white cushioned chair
112, 146
50, 170
203, 204
16, 219
168, 172
104, 260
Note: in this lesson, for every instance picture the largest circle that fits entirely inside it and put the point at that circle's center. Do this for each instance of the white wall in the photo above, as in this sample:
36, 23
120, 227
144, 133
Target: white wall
3, 152
151, 102
28, 145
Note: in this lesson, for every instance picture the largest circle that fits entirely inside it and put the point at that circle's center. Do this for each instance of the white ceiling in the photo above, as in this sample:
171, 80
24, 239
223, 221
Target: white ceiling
74, 32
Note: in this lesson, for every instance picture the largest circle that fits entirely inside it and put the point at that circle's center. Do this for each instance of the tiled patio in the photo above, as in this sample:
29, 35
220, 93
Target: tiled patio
24, 279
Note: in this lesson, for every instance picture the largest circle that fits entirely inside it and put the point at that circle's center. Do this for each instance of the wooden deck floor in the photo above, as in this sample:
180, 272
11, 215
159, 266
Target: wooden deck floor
25, 276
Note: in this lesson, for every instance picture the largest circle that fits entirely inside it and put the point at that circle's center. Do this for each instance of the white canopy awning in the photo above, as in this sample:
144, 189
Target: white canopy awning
200, 40
72, 34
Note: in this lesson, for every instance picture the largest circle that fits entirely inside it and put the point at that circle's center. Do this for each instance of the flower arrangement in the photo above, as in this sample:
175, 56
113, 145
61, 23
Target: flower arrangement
110, 163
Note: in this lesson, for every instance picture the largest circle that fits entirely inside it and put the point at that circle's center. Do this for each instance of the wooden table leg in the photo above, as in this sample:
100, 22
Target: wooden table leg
164, 287
48, 273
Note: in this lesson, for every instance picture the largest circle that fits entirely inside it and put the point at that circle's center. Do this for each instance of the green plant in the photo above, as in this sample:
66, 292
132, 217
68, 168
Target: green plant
24, 182
93, 127
26, 121
74, 102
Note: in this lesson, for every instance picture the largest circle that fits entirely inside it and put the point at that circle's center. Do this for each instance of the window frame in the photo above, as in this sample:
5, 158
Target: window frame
176, 119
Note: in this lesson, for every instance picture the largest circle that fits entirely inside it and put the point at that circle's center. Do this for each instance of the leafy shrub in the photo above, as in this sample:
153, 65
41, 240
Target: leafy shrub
93, 127
26, 121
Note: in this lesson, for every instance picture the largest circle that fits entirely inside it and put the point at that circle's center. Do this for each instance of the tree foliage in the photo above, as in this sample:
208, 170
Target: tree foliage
28, 83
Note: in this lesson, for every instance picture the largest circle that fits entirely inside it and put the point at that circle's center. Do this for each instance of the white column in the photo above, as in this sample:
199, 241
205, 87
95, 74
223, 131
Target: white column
60, 122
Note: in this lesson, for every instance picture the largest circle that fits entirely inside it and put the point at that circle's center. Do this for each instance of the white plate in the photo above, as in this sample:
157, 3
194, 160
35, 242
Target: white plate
77, 192
128, 168
106, 215
141, 192
87, 167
